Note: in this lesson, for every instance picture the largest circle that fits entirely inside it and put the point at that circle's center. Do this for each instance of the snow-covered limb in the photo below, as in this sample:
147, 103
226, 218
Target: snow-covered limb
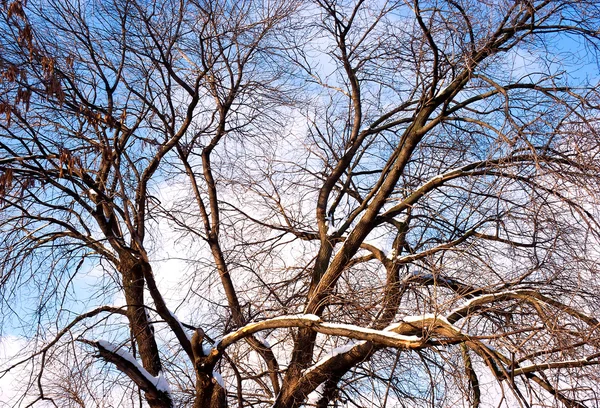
299, 320
156, 388
383, 337
400, 335
379, 336
404, 334
463, 309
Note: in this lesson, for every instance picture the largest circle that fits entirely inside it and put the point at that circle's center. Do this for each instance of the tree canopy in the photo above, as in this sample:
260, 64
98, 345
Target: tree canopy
261, 203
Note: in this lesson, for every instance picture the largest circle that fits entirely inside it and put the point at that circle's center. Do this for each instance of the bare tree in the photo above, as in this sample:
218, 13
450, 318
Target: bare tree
347, 203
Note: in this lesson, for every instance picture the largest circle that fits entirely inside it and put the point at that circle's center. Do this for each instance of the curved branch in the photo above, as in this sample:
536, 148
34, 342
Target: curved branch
528, 295
156, 388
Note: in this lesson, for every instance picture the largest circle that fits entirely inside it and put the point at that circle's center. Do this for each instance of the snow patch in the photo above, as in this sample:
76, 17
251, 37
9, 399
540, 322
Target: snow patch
159, 382
475, 299
364, 330
162, 384
314, 397
419, 318
309, 317
393, 326
430, 316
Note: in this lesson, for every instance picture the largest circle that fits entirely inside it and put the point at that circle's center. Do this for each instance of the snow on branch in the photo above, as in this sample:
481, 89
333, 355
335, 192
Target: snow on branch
314, 397
384, 337
405, 334
156, 388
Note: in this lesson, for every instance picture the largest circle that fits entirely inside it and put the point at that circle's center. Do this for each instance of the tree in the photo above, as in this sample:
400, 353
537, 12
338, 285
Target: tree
287, 203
